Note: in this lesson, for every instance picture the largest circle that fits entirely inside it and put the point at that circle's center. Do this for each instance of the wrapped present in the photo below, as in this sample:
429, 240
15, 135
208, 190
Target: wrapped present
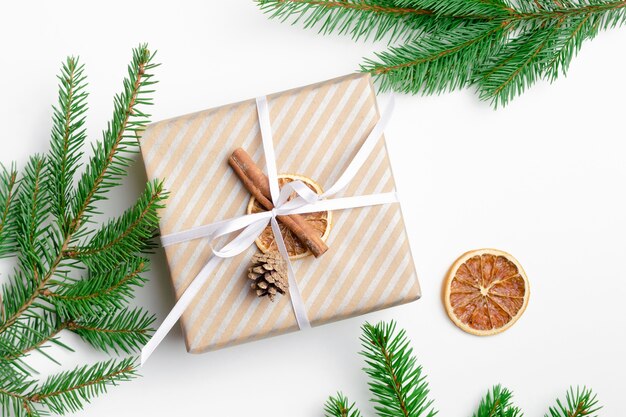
316, 132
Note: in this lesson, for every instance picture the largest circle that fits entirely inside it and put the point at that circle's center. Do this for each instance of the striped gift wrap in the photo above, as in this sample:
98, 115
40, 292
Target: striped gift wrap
317, 130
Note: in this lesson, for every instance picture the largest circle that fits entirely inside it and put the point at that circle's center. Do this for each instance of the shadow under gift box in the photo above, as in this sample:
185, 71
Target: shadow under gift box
317, 130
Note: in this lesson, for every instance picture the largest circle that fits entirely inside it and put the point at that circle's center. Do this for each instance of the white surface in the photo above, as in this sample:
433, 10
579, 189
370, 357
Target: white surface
544, 179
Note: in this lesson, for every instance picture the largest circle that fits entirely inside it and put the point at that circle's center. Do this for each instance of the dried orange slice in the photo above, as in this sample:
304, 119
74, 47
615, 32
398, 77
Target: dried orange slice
486, 291
320, 221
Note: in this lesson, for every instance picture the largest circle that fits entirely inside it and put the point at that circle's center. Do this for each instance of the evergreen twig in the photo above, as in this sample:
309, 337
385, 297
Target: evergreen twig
397, 383
578, 403
72, 277
8, 219
68, 136
339, 406
69, 390
500, 47
497, 402
399, 389
124, 331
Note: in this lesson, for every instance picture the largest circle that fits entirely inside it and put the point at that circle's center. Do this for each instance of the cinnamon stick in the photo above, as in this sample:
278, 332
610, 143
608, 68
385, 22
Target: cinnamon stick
257, 183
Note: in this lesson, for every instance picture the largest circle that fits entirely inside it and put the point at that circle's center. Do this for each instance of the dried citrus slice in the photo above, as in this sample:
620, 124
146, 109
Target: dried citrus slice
320, 221
486, 291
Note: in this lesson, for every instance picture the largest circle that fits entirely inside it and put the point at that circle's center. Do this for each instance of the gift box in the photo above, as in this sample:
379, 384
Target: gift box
317, 130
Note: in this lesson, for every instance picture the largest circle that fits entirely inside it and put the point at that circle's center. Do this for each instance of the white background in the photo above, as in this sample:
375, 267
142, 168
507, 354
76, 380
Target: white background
543, 178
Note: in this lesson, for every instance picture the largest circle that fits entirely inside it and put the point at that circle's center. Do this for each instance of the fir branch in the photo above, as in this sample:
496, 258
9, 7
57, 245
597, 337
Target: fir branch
358, 18
69, 391
17, 297
579, 403
399, 389
108, 163
577, 30
33, 207
124, 331
34, 334
13, 389
68, 136
497, 402
100, 292
519, 64
434, 64
8, 207
500, 46
397, 383
42, 297
125, 236
339, 406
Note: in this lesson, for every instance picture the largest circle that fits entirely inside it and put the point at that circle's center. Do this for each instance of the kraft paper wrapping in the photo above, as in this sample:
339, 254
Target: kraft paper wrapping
317, 130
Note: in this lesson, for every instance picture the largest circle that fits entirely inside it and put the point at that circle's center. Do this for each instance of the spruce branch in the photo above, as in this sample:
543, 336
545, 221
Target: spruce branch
33, 206
13, 389
126, 330
106, 166
110, 156
99, 292
125, 236
500, 47
32, 335
497, 402
399, 389
433, 64
68, 136
579, 403
70, 390
396, 382
359, 19
17, 297
8, 206
45, 214
339, 406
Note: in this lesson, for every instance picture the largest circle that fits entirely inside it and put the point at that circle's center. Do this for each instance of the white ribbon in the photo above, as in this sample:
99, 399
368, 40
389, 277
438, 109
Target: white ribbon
251, 225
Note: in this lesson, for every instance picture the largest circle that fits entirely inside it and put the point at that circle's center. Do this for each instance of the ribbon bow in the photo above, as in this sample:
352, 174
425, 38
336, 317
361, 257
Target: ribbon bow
252, 225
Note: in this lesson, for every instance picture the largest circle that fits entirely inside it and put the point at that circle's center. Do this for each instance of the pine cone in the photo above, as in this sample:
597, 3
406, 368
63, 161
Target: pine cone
269, 273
